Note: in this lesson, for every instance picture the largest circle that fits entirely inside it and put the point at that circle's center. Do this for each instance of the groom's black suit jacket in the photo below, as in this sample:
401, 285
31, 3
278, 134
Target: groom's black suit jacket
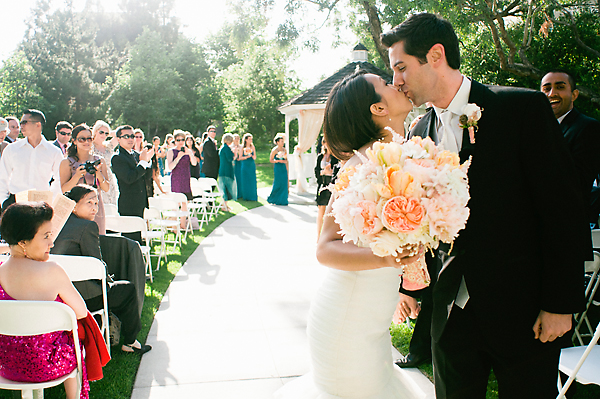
523, 248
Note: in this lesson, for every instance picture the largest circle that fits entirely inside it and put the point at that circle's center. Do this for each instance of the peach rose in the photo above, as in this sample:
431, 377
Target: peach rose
402, 214
365, 218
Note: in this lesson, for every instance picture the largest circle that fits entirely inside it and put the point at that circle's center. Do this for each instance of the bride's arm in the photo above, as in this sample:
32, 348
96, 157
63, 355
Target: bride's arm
334, 253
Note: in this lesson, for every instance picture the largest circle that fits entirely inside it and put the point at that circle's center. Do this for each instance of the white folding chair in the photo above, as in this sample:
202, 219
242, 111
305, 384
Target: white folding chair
213, 193
592, 268
169, 210
111, 210
81, 268
181, 199
20, 318
134, 224
581, 364
199, 206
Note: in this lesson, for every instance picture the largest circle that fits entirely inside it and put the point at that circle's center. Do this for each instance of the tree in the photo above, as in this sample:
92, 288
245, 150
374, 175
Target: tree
162, 88
252, 90
18, 89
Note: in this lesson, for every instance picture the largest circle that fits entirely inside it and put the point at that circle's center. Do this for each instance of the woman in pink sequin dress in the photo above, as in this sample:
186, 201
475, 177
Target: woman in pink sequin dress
28, 275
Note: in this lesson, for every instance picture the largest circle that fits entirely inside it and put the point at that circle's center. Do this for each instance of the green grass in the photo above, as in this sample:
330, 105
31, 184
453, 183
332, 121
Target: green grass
401, 335
120, 372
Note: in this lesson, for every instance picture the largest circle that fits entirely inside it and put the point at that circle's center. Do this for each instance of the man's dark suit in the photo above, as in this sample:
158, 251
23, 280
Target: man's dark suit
80, 237
210, 165
131, 178
582, 134
521, 252
57, 143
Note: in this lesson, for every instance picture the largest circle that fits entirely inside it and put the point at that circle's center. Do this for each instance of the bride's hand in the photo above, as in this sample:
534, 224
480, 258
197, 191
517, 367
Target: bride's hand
406, 257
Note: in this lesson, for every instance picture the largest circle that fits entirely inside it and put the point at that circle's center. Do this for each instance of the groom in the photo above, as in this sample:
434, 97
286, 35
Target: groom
507, 289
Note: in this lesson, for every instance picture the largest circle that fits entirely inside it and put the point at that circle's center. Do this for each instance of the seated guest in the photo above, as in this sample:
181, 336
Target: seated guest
78, 165
28, 275
79, 236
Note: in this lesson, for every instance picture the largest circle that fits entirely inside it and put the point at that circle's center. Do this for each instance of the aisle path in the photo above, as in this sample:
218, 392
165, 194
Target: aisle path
232, 324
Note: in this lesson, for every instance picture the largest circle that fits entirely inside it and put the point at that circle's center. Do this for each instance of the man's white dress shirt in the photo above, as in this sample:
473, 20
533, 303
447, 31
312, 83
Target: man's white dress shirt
23, 167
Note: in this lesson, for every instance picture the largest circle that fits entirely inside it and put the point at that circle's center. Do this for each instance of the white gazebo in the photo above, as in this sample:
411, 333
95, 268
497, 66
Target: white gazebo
309, 108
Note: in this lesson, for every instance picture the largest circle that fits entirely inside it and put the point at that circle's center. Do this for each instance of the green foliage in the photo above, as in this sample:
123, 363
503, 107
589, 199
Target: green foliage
162, 88
18, 89
253, 89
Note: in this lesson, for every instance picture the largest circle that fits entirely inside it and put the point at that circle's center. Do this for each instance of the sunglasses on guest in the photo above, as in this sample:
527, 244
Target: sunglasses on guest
64, 133
127, 136
180, 140
84, 139
102, 132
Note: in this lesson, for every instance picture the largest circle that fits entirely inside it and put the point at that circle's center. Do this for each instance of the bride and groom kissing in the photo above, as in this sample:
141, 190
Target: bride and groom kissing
506, 290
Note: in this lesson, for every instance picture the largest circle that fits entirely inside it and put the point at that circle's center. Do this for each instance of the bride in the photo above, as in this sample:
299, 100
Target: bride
348, 327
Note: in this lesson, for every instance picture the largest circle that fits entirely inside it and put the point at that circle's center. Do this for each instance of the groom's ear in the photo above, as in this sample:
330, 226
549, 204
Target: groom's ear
436, 54
378, 109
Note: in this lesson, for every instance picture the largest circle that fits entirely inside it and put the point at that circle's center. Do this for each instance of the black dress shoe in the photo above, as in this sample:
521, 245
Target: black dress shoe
143, 349
411, 360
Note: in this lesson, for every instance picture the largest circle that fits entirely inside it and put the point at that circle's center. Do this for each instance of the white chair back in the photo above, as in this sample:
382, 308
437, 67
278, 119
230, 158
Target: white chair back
21, 318
111, 210
126, 224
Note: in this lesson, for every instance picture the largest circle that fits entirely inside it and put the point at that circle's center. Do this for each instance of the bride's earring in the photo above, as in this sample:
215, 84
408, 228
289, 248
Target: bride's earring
22, 245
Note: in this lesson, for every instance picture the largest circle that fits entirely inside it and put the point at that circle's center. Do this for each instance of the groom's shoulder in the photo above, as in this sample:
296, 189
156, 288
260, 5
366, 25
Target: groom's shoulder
514, 94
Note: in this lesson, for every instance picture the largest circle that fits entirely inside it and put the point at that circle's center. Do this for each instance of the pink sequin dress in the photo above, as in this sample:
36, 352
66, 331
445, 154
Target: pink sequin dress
39, 358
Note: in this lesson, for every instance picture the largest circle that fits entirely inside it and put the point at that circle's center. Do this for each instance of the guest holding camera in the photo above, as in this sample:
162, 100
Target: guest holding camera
82, 167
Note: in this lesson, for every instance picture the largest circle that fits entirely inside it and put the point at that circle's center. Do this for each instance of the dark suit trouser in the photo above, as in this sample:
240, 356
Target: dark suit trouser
525, 368
420, 343
123, 303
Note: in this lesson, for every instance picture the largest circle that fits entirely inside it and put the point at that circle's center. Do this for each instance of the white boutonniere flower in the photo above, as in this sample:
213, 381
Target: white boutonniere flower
471, 113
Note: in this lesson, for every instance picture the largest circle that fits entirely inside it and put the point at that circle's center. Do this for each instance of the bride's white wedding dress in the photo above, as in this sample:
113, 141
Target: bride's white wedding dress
350, 347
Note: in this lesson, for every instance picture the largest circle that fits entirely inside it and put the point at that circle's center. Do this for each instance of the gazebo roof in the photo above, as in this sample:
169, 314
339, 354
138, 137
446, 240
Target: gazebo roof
318, 94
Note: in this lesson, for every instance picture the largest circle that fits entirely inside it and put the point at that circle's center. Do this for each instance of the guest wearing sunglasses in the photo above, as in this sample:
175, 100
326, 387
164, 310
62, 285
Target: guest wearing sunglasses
32, 163
179, 161
104, 146
78, 168
130, 168
63, 135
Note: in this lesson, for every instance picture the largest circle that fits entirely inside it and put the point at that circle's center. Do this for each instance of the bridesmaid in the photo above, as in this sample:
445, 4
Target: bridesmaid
237, 164
73, 171
248, 172
278, 157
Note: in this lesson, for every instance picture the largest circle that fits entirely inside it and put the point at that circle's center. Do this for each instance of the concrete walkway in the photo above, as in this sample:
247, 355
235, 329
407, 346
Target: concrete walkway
233, 322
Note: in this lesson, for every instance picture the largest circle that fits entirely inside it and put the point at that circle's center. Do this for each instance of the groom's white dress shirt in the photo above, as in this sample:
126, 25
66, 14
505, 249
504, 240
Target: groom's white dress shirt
450, 136
448, 119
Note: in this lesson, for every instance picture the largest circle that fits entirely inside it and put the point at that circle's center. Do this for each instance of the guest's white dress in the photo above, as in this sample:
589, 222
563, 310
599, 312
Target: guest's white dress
350, 344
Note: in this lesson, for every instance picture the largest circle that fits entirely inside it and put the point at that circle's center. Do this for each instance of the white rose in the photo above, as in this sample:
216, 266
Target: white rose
385, 243
472, 111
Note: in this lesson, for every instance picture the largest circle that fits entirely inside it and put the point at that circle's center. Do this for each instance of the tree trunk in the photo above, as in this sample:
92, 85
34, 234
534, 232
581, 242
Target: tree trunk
375, 29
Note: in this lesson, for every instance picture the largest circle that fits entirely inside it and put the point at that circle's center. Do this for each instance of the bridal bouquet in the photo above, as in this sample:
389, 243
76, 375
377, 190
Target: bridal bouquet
404, 194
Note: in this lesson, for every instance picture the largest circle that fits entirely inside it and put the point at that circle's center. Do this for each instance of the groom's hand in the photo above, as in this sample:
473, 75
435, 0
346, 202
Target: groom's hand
407, 307
550, 326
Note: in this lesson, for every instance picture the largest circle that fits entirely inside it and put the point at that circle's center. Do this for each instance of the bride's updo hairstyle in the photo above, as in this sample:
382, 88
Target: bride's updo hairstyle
348, 123
20, 222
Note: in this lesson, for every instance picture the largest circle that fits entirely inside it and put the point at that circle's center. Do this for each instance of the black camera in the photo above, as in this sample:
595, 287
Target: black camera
90, 166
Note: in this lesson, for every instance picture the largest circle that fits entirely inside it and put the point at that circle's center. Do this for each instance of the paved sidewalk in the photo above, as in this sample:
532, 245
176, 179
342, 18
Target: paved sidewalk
232, 323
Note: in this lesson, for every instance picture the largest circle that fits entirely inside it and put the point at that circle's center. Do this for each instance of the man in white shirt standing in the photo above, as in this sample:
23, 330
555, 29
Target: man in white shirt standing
31, 163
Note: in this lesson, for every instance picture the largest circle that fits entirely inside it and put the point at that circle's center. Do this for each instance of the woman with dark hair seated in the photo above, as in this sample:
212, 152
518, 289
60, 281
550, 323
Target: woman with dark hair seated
79, 236
28, 275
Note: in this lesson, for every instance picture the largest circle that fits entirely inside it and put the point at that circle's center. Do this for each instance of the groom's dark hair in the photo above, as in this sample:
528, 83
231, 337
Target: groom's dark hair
422, 31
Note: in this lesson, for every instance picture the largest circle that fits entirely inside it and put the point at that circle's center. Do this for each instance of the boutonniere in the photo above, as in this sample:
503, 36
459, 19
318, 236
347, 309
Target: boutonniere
471, 113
